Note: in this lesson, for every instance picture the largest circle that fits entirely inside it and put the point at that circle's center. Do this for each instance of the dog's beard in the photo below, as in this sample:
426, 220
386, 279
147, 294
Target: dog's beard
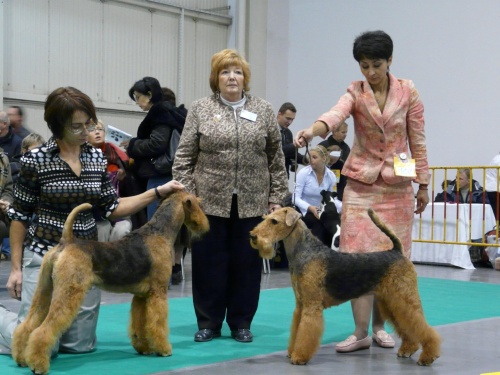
266, 248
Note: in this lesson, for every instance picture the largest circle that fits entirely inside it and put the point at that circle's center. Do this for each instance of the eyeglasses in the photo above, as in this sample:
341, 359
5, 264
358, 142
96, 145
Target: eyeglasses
137, 96
96, 129
79, 128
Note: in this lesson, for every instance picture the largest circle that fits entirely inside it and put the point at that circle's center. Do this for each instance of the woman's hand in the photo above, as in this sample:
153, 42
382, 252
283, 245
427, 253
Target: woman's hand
422, 200
4, 205
170, 187
314, 210
273, 207
303, 137
124, 144
14, 284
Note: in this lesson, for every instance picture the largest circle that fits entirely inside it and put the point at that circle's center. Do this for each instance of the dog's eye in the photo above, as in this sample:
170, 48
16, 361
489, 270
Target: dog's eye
274, 221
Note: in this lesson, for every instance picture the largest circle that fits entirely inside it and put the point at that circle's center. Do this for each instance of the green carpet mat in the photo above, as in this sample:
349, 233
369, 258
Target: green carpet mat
444, 302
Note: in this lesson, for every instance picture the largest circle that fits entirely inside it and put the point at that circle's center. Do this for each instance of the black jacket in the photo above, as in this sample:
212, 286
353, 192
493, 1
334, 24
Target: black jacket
289, 150
153, 136
11, 145
344, 147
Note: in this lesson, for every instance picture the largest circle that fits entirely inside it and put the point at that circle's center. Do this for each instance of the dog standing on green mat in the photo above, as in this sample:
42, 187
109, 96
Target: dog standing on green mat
323, 278
140, 263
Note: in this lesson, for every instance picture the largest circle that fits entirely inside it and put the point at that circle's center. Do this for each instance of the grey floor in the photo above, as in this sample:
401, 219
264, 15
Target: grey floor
469, 348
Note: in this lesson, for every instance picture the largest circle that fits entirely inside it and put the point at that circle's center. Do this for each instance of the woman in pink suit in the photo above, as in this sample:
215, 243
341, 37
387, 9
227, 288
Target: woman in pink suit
389, 147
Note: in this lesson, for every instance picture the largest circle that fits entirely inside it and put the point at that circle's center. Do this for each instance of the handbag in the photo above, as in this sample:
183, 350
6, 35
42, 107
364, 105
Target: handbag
163, 163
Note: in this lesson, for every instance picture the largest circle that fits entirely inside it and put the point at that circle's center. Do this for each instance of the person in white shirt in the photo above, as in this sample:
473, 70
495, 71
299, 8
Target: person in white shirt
311, 180
491, 184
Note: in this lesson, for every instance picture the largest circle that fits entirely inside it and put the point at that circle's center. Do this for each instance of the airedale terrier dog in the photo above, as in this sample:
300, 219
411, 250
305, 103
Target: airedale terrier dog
322, 278
140, 263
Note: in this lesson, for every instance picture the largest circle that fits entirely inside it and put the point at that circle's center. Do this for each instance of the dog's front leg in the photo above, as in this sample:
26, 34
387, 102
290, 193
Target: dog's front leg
294, 327
309, 333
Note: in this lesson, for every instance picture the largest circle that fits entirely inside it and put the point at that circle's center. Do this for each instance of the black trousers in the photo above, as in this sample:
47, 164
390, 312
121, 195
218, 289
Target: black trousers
226, 273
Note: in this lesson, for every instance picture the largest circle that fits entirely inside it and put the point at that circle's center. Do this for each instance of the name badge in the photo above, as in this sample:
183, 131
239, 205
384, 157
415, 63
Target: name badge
248, 115
404, 167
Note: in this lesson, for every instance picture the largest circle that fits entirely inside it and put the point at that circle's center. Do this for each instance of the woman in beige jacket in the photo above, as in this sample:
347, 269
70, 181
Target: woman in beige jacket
230, 156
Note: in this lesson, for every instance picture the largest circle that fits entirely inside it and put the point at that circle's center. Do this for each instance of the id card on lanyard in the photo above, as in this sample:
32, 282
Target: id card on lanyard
403, 166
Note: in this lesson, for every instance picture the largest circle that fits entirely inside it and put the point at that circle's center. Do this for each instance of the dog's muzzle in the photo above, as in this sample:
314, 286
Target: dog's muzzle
266, 248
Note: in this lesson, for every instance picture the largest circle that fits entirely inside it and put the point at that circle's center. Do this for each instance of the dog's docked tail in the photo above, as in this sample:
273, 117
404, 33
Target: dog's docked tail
389, 233
67, 233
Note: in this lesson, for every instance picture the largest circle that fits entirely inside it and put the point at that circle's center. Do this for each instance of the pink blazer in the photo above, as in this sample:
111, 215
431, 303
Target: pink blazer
378, 137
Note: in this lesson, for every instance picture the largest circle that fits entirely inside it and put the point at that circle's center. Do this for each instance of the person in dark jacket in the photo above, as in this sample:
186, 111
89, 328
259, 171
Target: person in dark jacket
286, 115
337, 139
10, 143
153, 134
465, 193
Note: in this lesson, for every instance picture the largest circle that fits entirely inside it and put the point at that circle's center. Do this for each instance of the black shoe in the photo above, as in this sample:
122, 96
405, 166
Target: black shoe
204, 335
242, 335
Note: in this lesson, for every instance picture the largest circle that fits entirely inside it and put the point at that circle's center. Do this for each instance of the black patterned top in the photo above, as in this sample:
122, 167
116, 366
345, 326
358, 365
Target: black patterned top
48, 189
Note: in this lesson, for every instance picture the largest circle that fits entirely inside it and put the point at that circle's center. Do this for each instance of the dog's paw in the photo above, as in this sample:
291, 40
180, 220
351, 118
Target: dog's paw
298, 360
426, 360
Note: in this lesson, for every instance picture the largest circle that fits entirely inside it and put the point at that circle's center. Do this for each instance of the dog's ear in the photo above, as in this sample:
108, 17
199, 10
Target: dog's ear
291, 217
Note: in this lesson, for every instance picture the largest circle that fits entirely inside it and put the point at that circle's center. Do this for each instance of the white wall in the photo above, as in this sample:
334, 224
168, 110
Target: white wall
102, 48
449, 48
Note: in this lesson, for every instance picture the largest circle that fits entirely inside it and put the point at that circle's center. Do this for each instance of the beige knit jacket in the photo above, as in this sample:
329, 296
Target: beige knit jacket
218, 154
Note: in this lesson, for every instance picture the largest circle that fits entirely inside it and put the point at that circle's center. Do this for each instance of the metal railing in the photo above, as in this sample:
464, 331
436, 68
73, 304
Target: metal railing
449, 207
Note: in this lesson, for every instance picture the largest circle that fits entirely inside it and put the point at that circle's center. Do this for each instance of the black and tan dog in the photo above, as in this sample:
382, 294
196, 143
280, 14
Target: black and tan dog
140, 263
323, 278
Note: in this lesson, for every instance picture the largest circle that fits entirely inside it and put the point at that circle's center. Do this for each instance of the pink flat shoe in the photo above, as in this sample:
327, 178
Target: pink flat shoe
352, 344
383, 339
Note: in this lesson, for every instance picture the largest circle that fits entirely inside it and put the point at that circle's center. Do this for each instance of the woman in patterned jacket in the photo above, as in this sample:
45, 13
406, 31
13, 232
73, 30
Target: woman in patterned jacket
56, 177
388, 124
230, 156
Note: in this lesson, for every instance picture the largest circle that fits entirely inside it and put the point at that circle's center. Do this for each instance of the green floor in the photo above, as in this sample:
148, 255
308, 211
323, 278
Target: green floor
444, 302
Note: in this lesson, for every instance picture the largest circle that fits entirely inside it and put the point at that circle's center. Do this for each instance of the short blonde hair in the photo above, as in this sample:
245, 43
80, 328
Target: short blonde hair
30, 140
225, 59
321, 150
100, 122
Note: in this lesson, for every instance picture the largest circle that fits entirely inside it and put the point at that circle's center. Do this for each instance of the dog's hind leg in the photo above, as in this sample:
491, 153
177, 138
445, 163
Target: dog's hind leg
39, 308
69, 291
156, 324
402, 300
137, 328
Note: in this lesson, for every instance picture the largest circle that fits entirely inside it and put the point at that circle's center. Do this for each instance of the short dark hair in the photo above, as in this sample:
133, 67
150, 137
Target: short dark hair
372, 45
287, 107
19, 110
145, 86
168, 95
60, 106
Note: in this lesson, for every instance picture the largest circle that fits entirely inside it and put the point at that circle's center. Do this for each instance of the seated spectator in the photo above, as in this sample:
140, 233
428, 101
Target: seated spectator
492, 186
463, 193
31, 141
6, 198
311, 180
338, 139
445, 187
117, 159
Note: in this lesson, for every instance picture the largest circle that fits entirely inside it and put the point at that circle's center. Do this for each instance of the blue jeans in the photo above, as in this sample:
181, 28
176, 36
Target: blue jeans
152, 183
6, 246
